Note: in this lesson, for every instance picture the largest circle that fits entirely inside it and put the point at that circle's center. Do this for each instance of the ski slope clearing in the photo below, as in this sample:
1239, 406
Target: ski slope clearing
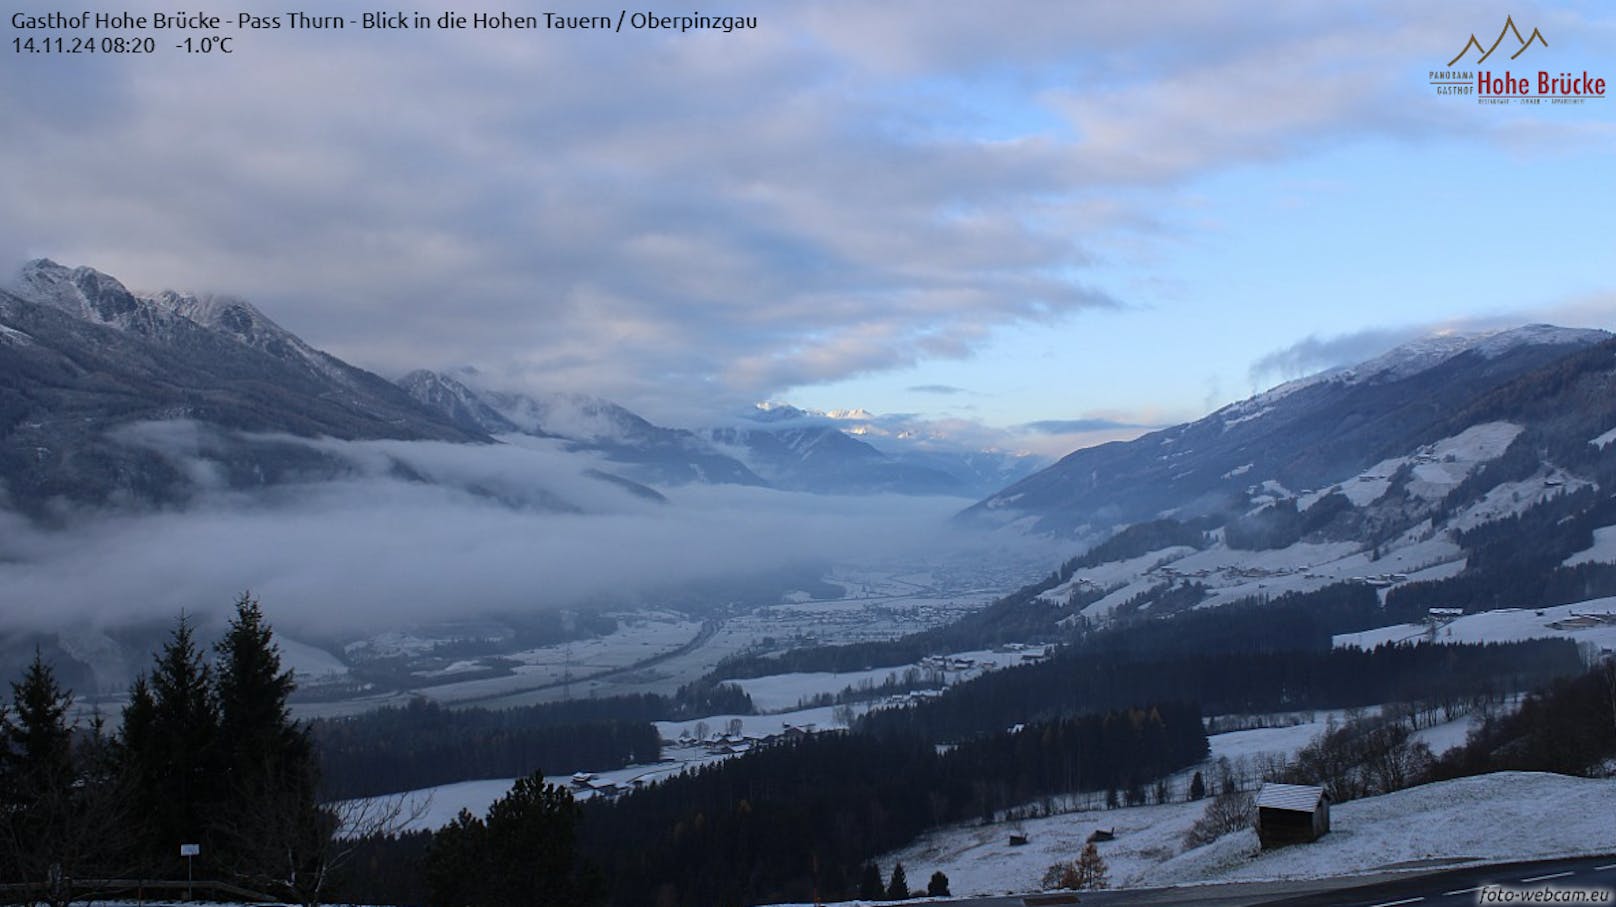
1509, 625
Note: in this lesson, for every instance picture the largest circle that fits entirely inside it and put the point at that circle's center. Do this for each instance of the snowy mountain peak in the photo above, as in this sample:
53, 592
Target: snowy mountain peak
460, 403
776, 412
81, 292
1499, 342
1416, 356
1428, 352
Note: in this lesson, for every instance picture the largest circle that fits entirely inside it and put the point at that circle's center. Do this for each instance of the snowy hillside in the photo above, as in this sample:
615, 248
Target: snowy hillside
1592, 622
1434, 821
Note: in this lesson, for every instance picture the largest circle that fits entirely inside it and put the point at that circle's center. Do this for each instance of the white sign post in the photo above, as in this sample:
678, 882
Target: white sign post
188, 851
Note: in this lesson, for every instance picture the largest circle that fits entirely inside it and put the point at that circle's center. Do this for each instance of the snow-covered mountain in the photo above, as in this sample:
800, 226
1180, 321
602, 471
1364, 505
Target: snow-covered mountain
645, 452
847, 453
1298, 437
91, 366
85, 360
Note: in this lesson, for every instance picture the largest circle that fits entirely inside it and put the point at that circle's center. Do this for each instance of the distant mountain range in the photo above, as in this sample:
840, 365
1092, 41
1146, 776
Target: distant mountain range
100, 386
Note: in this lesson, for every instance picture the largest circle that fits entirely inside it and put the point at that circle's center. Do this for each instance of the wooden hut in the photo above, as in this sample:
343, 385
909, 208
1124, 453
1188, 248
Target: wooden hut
1291, 814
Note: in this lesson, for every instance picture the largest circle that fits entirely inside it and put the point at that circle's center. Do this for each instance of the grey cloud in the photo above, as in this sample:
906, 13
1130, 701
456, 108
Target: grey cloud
1314, 354
946, 390
1076, 426
702, 220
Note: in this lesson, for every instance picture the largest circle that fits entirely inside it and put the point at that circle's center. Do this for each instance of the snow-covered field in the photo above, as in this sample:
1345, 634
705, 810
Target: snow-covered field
1508, 625
435, 807
1603, 550
779, 692
822, 718
311, 664
979, 861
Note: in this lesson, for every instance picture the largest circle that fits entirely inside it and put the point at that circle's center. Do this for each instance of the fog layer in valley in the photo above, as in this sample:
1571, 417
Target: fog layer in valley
421, 531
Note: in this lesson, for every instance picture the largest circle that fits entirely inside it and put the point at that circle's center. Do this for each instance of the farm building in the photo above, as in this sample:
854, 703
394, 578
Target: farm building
1291, 814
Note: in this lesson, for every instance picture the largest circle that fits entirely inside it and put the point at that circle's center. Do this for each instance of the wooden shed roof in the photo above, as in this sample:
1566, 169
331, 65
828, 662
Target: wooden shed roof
1299, 797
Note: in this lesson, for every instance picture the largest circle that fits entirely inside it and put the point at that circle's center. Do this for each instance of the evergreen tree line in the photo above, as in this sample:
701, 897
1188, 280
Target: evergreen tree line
207, 754
525, 851
423, 744
1567, 727
800, 820
1292, 622
871, 888
1077, 681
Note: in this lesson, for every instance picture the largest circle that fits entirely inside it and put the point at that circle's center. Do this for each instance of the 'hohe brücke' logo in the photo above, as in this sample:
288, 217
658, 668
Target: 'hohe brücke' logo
1509, 87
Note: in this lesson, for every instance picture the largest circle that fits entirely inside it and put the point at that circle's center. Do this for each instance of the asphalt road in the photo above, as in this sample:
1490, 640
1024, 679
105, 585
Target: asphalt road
1408, 888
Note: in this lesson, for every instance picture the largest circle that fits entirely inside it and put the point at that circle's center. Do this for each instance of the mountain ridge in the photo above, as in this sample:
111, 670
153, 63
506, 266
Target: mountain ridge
1302, 434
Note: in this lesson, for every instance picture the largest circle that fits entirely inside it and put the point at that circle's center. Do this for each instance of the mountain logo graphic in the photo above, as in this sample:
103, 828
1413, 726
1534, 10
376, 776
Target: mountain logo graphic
1508, 29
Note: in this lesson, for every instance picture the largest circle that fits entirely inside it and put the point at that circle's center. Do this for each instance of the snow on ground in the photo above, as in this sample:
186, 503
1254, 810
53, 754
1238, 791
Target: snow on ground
1113, 572
781, 692
1440, 466
979, 860
1511, 498
1437, 467
1603, 550
1498, 817
1260, 742
311, 664
1443, 737
1603, 439
1504, 816
1366, 487
435, 807
1509, 625
823, 718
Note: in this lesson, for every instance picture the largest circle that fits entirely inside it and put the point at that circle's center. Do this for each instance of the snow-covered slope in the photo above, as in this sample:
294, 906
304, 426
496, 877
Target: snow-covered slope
1464, 820
1457, 821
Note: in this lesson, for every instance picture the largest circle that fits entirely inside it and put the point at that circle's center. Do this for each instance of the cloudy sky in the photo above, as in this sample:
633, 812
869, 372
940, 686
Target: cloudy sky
1059, 220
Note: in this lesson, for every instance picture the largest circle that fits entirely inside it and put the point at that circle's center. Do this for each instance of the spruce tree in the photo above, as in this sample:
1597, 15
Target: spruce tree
169, 742
271, 831
533, 846
938, 886
870, 883
456, 865
263, 752
898, 888
57, 824
38, 735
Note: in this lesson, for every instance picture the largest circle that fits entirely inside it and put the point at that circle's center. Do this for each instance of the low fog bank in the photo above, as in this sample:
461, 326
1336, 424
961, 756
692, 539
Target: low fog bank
420, 532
